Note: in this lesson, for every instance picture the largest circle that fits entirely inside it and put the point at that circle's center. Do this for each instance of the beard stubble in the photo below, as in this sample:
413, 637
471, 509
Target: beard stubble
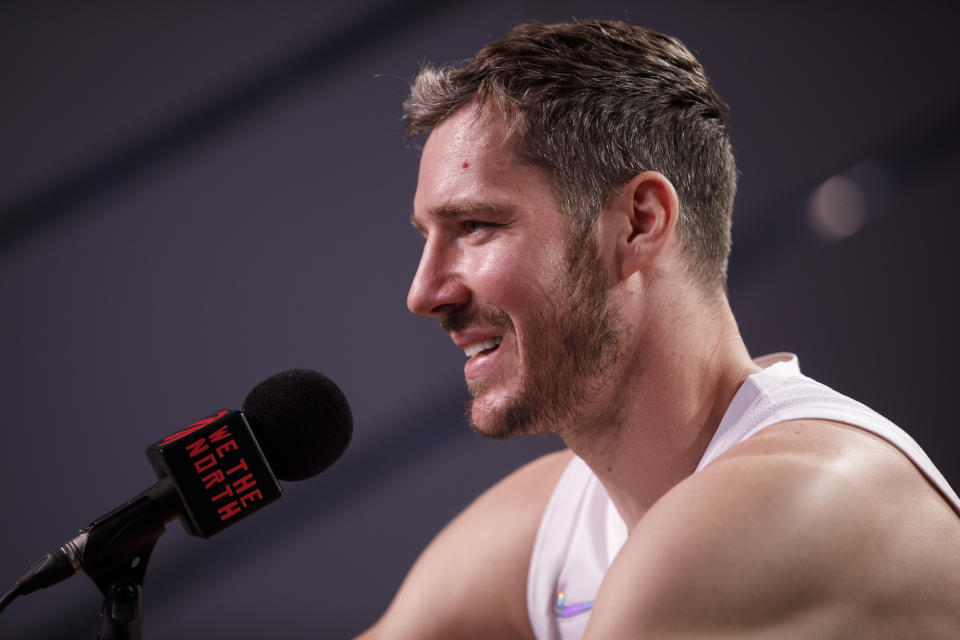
571, 345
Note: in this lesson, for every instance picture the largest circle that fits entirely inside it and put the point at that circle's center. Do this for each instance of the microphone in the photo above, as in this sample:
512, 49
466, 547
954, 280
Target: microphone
212, 473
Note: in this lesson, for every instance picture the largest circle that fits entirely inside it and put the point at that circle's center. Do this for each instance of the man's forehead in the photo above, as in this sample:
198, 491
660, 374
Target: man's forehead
463, 154
470, 130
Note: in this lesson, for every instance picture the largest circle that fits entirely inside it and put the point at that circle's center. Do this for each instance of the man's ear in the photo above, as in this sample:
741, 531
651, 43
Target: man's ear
645, 214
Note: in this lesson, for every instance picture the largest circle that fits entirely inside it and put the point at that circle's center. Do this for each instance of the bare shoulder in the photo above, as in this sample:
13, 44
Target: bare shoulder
809, 529
470, 582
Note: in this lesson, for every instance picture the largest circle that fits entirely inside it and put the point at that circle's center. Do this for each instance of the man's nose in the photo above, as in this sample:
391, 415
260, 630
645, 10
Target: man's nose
438, 286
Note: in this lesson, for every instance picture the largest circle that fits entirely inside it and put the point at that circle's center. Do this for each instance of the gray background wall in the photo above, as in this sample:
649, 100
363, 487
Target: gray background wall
196, 195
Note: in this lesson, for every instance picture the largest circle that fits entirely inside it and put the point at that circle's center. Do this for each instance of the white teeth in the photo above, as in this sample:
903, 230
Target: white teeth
475, 348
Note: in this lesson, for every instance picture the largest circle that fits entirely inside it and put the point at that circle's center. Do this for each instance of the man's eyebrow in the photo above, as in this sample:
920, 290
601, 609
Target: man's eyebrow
462, 209
416, 223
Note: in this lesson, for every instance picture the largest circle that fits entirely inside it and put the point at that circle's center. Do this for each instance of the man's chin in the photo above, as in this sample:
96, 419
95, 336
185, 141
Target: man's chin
499, 418
482, 416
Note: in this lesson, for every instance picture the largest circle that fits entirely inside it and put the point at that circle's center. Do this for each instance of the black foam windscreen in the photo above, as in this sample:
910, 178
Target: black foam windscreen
301, 420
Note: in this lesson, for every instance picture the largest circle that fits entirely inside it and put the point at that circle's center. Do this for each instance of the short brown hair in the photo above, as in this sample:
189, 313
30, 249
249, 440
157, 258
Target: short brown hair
595, 103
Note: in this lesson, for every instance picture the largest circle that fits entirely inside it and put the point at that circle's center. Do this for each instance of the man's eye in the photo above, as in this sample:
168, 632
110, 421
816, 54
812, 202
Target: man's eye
472, 226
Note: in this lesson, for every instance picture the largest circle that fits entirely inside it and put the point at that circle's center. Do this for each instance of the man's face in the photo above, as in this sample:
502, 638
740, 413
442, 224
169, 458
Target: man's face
504, 278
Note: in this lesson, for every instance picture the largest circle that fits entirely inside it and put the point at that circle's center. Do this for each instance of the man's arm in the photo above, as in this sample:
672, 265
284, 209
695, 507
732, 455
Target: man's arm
808, 530
470, 582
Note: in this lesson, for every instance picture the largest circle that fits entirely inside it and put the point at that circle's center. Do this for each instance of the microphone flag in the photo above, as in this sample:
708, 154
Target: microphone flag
219, 472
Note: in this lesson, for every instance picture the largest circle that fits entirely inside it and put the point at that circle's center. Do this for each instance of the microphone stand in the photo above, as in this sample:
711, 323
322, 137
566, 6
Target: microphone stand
115, 555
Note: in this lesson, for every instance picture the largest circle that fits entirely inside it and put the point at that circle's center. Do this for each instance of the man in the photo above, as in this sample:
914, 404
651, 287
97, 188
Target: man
574, 196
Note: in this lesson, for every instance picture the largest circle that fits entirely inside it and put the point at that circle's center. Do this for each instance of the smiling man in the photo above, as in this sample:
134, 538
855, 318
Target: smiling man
575, 196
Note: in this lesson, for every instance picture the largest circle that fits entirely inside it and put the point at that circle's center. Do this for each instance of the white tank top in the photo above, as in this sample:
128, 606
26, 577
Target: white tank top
581, 531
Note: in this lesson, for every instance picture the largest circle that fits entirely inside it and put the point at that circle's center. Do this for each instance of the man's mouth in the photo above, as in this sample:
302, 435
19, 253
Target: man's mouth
482, 347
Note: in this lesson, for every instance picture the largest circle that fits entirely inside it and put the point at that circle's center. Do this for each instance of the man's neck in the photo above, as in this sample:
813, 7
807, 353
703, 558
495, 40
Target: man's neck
672, 394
